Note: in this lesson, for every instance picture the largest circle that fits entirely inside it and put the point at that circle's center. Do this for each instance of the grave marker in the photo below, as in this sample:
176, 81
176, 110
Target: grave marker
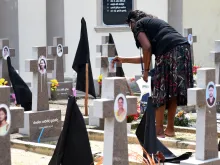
191, 39
41, 116
206, 127
57, 51
215, 57
107, 51
4, 43
5, 149
115, 135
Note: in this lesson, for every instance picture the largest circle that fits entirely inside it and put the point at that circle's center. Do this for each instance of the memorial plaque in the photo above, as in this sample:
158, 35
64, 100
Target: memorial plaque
115, 11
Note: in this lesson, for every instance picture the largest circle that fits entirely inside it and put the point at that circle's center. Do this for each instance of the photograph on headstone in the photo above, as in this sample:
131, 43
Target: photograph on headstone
59, 50
5, 52
190, 39
120, 108
111, 66
42, 64
5, 119
211, 94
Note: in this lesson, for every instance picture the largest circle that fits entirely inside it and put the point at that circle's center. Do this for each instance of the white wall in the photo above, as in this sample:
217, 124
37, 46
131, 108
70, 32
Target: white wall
204, 20
125, 43
32, 30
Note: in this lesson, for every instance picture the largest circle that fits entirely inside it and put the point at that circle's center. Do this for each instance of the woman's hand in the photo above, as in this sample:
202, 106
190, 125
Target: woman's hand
117, 59
145, 76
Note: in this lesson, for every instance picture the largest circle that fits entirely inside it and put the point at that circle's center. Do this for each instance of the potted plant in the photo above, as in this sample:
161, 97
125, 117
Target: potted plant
53, 88
100, 85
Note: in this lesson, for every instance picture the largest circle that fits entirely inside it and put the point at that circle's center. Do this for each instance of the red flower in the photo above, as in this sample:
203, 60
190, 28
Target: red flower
195, 69
132, 79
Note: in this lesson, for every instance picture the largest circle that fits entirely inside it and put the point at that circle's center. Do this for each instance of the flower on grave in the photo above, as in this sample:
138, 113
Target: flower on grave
100, 79
195, 67
13, 98
136, 116
54, 84
3, 82
181, 119
132, 79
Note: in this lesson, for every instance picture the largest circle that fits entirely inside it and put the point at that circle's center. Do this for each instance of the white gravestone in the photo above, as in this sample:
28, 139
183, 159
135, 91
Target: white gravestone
41, 117
108, 51
57, 51
115, 131
206, 126
191, 39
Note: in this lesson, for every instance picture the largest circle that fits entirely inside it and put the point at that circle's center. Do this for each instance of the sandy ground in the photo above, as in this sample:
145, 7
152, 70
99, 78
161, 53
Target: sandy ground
21, 157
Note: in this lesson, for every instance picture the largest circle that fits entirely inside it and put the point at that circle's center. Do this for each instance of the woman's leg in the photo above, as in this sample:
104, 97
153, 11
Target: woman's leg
172, 105
159, 121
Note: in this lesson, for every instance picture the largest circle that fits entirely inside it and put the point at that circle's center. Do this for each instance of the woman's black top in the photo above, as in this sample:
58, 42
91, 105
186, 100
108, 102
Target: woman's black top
161, 35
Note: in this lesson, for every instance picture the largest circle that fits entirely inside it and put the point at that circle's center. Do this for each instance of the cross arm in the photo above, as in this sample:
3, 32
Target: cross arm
107, 50
102, 62
215, 56
196, 96
103, 108
31, 65
52, 50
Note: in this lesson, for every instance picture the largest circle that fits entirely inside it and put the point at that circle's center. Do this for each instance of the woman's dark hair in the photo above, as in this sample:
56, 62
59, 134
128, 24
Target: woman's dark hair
120, 98
5, 112
137, 15
6, 48
44, 63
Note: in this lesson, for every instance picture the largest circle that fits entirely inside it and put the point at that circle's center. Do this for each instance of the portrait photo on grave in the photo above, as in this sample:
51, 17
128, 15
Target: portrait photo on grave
59, 50
120, 107
211, 94
111, 65
190, 39
5, 52
42, 64
5, 119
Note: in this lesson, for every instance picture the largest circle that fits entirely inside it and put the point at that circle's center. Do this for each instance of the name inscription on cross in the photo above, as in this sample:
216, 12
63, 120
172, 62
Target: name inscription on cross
41, 116
57, 51
4, 51
191, 39
206, 126
115, 132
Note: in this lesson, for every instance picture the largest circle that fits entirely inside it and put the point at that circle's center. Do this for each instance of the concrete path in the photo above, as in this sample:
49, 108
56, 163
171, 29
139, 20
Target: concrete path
21, 157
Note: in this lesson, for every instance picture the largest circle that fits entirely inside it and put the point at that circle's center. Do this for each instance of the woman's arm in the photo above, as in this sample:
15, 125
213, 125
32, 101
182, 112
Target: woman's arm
146, 46
132, 60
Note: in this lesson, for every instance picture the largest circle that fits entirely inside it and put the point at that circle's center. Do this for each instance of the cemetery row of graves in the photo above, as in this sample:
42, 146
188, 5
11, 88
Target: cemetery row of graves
116, 108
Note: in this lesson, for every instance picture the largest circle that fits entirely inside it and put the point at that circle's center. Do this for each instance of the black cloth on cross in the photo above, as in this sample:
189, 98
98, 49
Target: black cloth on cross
22, 92
146, 134
82, 58
73, 146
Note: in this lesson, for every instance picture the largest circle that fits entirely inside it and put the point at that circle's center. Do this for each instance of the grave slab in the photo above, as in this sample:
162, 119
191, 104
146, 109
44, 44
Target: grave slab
41, 118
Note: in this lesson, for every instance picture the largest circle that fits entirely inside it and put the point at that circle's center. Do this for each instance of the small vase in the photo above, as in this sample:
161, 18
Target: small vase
100, 90
128, 128
53, 95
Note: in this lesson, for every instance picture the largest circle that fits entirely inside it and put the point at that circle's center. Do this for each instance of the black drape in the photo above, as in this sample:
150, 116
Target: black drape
146, 134
82, 57
22, 91
73, 147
